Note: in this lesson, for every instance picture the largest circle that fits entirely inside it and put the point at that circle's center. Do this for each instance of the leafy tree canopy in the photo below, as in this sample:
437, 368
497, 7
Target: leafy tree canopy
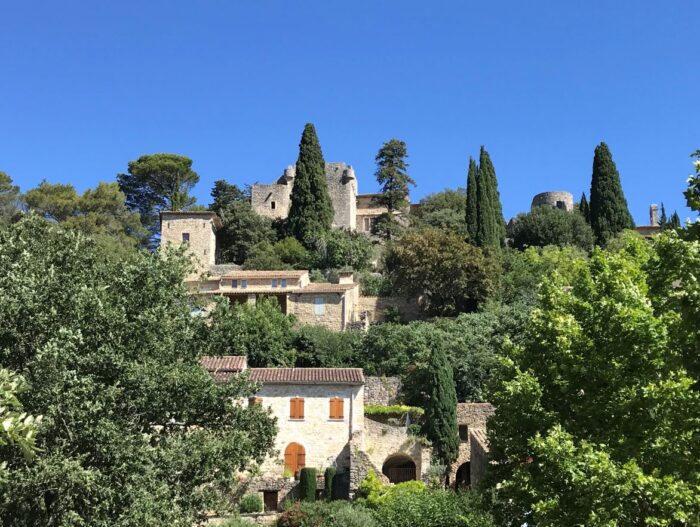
134, 431
243, 229
443, 210
9, 198
551, 226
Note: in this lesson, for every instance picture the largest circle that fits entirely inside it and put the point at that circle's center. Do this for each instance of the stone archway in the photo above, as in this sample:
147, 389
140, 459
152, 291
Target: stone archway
463, 475
399, 468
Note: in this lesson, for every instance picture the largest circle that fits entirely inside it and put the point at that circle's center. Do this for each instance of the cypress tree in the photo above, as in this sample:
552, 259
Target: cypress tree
675, 221
663, 221
491, 227
584, 208
472, 212
441, 408
307, 484
609, 212
311, 211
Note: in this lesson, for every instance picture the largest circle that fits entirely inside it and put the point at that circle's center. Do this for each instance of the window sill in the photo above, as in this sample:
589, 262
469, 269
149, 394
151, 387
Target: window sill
336, 420
296, 419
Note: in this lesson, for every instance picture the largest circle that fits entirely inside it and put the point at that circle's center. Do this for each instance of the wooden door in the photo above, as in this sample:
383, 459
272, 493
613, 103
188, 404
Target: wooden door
270, 499
294, 457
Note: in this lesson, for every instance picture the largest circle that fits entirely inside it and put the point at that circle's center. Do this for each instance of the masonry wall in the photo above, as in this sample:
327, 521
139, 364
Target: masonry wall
336, 312
262, 197
375, 307
382, 441
382, 391
342, 187
325, 440
202, 237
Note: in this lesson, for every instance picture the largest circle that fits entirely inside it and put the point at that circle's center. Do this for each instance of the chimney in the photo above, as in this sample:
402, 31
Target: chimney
345, 277
654, 215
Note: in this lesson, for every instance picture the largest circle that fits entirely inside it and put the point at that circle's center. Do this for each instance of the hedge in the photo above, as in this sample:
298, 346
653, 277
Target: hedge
307, 484
394, 410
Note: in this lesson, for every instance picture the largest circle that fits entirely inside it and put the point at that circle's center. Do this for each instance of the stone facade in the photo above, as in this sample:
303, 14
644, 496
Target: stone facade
373, 308
470, 417
479, 454
273, 201
382, 391
558, 199
197, 230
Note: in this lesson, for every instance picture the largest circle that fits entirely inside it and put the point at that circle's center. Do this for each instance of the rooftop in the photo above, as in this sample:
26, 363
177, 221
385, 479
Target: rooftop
263, 274
349, 376
223, 367
192, 213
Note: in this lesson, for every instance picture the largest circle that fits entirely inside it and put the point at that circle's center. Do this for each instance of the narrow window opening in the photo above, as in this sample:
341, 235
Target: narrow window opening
185, 236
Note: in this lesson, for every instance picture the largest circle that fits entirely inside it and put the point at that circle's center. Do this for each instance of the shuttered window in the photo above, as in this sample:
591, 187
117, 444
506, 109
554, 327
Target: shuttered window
296, 408
336, 404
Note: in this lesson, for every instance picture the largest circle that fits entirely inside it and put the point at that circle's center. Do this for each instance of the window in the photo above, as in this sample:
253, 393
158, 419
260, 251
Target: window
273, 205
185, 236
296, 408
319, 306
274, 282
284, 282
368, 223
336, 406
253, 401
244, 284
234, 283
464, 433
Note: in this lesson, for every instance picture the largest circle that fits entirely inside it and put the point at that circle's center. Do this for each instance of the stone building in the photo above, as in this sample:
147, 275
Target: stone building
321, 423
471, 419
336, 306
555, 199
351, 210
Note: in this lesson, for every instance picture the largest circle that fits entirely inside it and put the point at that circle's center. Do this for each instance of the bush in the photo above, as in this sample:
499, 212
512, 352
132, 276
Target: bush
320, 347
374, 284
307, 484
326, 514
235, 522
394, 410
550, 226
328, 477
350, 515
251, 503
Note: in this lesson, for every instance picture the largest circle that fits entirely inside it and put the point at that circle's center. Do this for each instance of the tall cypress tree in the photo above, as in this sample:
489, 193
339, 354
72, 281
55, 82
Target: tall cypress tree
491, 229
609, 212
584, 208
441, 409
675, 221
472, 215
663, 221
311, 210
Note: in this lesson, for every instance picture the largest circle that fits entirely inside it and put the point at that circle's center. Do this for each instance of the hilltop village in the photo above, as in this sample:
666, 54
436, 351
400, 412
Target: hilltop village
298, 353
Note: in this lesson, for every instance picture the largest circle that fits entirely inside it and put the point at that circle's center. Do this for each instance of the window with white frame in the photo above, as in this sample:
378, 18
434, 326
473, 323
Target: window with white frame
319, 306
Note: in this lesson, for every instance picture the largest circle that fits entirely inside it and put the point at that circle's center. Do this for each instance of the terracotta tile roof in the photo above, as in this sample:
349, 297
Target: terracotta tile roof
325, 288
264, 274
351, 376
222, 368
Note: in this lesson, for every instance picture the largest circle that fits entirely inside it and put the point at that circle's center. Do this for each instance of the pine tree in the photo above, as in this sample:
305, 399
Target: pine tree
675, 221
472, 217
491, 227
311, 211
441, 411
609, 212
584, 208
394, 179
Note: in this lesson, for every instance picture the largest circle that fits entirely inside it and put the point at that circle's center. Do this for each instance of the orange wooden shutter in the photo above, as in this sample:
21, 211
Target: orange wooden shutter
339, 411
336, 405
301, 408
296, 408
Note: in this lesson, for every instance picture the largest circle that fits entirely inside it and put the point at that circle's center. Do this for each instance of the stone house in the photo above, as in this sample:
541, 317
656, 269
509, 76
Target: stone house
321, 423
336, 306
471, 420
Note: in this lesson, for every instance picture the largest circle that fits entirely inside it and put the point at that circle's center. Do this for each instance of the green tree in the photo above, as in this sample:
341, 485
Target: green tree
584, 208
242, 230
341, 249
692, 197
441, 409
675, 221
158, 182
491, 227
472, 212
9, 198
311, 211
663, 221
134, 431
100, 213
423, 262
443, 210
582, 403
261, 332
393, 179
224, 193
609, 212
551, 226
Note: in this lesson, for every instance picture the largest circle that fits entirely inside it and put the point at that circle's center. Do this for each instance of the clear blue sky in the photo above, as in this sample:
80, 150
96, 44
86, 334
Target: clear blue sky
87, 86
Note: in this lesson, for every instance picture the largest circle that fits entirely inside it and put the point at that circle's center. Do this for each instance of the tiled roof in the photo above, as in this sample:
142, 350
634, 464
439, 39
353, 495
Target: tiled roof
325, 288
264, 274
351, 376
222, 368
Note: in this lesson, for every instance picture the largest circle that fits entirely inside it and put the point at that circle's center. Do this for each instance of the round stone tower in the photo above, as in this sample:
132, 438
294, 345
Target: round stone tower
559, 200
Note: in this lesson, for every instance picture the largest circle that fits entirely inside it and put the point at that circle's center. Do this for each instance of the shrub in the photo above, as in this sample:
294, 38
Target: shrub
371, 488
328, 477
319, 347
235, 522
307, 484
326, 514
251, 503
350, 515
394, 410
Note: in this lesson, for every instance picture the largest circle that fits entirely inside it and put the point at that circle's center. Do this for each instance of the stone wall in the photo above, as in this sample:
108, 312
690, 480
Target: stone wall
199, 227
337, 309
479, 454
264, 197
382, 391
325, 440
382, 441
474, 414
559, 199
374, 307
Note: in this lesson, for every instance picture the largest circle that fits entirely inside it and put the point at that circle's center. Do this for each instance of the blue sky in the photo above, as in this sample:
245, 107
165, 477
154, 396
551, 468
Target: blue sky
87, 86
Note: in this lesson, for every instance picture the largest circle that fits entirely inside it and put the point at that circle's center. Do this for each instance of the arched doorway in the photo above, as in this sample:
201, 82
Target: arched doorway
399, 468
294, 457
463, 477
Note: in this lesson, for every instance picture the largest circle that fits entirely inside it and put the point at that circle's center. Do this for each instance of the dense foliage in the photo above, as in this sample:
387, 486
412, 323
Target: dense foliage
443, 210
134, 431
441, 408
307, 484
550, 226
608, 206
598, 409
491, 227
9, 199
472, 204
